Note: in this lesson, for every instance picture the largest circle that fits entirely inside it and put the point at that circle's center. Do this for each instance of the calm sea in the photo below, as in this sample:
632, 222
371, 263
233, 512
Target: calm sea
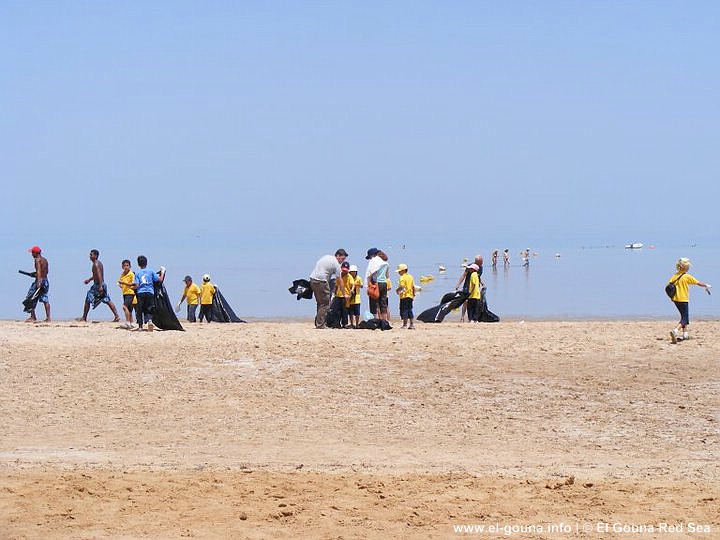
608, 282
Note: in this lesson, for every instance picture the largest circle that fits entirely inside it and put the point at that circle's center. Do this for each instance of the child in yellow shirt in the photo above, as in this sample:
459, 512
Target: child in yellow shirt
406, 290
207, 291
343, 287
353, 303
129, 299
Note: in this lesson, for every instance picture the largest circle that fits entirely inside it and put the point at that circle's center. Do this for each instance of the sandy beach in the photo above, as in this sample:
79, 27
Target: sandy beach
280, 430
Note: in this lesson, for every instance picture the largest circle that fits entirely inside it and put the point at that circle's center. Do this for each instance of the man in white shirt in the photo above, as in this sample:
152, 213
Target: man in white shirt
327, 266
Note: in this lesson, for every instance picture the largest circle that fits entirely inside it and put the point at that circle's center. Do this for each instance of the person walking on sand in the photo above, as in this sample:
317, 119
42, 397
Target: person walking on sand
192, 293
39, 289
681, 280
326, 267
98, 293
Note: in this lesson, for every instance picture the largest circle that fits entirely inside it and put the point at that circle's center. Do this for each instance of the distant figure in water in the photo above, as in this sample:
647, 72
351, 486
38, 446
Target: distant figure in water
682, 281
494, 258
506, 257
525, 257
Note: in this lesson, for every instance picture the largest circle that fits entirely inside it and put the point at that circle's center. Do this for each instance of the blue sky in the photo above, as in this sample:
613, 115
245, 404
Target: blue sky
314, 124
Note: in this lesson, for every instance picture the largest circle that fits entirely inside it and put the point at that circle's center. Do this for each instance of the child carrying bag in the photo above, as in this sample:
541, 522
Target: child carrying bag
671, 289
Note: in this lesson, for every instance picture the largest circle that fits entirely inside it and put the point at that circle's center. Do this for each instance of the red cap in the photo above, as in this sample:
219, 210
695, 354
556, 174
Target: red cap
35, 249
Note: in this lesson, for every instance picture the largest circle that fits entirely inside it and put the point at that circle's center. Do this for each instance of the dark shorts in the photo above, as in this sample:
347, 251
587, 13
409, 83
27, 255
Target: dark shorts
684, 309
354, 309
97, 295
128, 301
42, 296
406, 306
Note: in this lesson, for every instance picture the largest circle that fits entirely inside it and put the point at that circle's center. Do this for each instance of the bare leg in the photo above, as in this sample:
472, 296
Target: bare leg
128, 315
32, 317
47, 311
114, 311
86, 310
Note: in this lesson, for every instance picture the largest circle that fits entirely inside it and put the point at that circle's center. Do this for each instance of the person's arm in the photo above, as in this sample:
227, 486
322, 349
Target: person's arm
705, 286
462, 278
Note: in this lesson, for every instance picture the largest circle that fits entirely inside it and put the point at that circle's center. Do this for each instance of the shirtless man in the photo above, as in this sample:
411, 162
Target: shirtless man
40, 284
98, 293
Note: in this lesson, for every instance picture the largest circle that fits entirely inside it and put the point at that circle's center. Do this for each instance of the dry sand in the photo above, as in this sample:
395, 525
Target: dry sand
279, 430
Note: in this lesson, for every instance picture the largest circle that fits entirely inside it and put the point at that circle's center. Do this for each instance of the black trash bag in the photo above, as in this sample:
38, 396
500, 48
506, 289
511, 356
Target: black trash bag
334, 314
449, 301
375, 324
163, 315
301, 288
485, 314
221, 310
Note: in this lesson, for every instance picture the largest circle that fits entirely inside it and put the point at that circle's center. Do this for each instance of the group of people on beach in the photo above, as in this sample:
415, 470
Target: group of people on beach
136, 286
333, 279
336, 286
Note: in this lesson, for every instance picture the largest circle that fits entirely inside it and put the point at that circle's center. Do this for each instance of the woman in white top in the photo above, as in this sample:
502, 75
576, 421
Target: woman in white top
377, 272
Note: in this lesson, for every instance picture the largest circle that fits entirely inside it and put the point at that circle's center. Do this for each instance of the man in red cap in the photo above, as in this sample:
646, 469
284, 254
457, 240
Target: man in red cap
39, 289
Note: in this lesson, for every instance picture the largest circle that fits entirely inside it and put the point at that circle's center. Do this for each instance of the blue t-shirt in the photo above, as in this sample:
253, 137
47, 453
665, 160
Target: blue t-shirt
145, 278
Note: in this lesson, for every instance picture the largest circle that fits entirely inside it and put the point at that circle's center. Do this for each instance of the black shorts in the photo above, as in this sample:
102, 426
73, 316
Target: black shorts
128, 301
684, 309
406, 308
354, 309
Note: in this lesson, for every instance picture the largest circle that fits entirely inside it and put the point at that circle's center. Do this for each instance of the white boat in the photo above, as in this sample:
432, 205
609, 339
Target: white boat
636, 245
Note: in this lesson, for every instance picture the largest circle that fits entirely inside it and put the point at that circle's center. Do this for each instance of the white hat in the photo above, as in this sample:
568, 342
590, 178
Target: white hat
353, 268
206, 277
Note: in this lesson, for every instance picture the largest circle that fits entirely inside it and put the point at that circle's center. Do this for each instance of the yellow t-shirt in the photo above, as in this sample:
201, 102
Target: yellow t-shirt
207, 292
192, 292
342, 285
408, 284
125, 282
682, 286
474, 286
356, 295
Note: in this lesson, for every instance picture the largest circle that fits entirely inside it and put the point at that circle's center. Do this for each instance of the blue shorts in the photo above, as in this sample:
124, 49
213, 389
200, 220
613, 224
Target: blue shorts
97, 295
44, 290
